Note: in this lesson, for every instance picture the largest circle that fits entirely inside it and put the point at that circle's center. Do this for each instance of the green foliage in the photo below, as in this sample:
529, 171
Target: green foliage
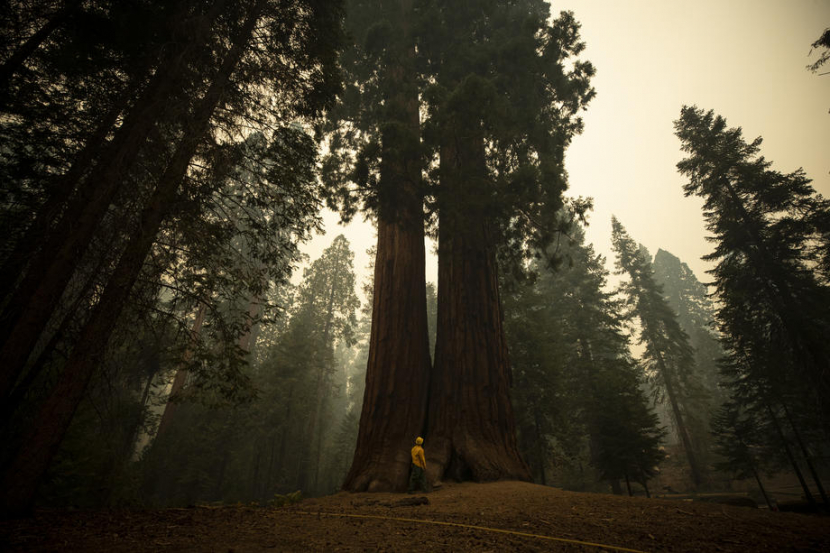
298, 432
668, 357
578, 395
770, 248
500, 71
171, 124
823, 42
689, 299
736, 441
504, 104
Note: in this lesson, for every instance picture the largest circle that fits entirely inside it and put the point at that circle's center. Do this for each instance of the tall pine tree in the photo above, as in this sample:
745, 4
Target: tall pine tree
668, 355
765, 225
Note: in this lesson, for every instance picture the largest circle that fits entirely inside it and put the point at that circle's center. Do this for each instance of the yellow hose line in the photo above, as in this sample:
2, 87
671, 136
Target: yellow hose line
457, 525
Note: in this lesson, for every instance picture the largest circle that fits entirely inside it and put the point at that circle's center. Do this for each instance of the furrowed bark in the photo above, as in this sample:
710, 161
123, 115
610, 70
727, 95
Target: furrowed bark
394, 403
181, 375
471, 427
397, 372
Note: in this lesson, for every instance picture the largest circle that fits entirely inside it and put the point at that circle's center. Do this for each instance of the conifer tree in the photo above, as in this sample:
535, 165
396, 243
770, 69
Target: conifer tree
232, 53
327, 295
429, 52
376, 166
736, 441
668, 356
577, 385
765, 225
689, 299
503, 107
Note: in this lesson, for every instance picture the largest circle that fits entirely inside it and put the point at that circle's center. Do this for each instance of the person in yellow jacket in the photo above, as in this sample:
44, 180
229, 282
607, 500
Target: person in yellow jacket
417, 474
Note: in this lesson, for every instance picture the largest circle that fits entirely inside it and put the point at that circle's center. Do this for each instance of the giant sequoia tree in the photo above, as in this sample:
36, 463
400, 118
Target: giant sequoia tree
209, 70
503, 107
493, 78
377, 162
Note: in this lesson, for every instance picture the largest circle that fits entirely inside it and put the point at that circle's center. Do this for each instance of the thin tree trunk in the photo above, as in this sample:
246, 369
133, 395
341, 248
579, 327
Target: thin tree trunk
806, 454
540, 450
678, 417
268, 488
397, 372
761, 487
118, 463
628, 485
136, 430
220, 480
22, 476
281, 461
315, 433
644, 482
255, 478
791, 457
470, 419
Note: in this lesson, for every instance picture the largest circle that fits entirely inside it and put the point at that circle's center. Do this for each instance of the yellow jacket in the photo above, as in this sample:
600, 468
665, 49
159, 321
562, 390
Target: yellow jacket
418, 458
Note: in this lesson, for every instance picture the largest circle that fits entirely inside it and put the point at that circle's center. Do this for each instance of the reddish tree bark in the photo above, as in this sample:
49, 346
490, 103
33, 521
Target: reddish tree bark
471, 428
397, 372
181, 374
394, 403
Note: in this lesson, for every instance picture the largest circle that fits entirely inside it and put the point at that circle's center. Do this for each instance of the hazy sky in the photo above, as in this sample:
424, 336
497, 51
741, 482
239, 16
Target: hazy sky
745, 59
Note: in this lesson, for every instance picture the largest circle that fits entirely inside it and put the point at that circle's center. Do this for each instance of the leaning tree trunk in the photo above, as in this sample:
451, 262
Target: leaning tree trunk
39, 291
13, 64
677, 416
36, 297
471, 428
27, 466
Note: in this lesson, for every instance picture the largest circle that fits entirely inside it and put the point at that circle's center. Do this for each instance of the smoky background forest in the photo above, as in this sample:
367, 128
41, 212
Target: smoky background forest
164, 340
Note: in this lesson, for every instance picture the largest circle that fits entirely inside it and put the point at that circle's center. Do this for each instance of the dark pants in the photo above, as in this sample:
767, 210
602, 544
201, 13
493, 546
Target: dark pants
417, 479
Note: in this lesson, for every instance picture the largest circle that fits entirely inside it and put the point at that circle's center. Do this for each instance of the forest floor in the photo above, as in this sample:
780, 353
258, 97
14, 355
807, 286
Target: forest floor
500, 516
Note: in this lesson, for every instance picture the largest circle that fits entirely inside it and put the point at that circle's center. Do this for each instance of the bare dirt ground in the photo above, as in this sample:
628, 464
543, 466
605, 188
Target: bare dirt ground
501, 516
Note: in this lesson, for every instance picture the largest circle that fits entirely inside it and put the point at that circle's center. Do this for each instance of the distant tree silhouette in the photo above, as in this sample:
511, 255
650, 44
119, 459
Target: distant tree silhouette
668, 354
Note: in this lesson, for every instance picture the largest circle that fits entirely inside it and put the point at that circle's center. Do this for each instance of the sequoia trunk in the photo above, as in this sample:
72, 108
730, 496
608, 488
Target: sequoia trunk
397, 372
471, 429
